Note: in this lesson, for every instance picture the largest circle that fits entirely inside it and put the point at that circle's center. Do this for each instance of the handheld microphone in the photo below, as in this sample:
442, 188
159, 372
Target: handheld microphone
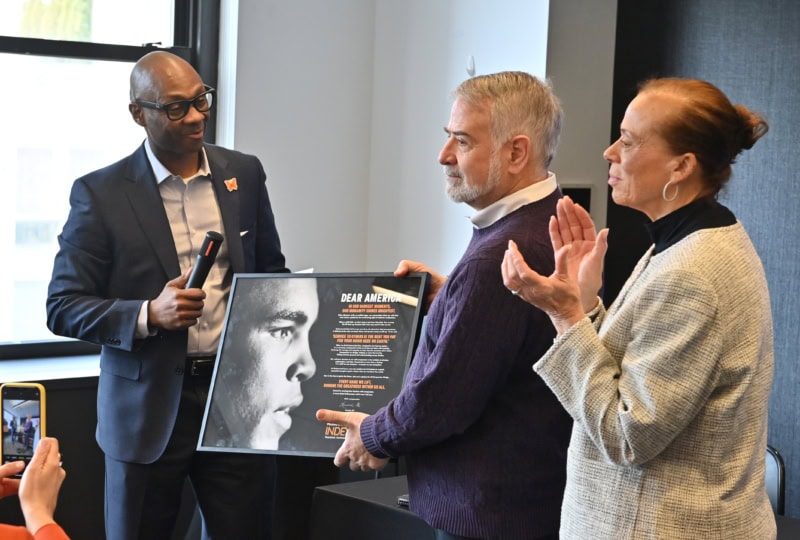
205, 259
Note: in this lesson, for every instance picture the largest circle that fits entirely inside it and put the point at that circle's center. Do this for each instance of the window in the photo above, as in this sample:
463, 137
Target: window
66, 65
89, 21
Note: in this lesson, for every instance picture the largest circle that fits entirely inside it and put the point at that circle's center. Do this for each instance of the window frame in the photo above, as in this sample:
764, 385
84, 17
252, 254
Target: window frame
196, 39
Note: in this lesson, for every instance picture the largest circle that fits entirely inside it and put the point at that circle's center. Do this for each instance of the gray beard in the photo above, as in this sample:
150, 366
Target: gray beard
462, 193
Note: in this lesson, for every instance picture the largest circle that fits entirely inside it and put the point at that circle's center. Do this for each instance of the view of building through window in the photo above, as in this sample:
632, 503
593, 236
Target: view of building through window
62, 118
92, 21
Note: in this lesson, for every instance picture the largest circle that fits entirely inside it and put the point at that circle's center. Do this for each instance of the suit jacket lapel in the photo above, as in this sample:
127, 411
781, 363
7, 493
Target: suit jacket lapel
143, 194
228, 206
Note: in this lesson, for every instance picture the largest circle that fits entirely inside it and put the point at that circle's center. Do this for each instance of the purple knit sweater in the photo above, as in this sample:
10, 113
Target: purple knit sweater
484, 438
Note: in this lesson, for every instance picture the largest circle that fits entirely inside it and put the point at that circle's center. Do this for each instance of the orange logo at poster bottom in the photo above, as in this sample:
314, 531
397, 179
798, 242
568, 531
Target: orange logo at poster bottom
336, 431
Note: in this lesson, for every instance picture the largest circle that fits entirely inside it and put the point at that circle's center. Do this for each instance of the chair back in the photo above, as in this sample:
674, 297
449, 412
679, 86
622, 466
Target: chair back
775, 477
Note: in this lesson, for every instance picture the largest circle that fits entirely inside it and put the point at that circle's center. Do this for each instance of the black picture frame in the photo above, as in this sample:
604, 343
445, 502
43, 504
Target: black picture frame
350, 351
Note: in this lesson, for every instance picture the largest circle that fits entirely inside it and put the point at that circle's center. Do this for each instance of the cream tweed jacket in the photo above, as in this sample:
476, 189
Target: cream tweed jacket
669, 392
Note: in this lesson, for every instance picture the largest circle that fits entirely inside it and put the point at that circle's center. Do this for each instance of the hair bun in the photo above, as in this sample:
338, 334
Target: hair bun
753, 127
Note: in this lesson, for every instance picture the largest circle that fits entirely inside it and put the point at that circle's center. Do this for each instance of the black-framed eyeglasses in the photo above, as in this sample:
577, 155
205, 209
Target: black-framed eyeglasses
175, 110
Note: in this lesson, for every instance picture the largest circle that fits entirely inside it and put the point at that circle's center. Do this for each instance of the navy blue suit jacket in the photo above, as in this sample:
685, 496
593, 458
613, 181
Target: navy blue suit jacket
115, 251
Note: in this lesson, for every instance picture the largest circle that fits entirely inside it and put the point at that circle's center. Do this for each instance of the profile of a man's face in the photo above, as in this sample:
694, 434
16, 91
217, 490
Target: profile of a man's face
265, 359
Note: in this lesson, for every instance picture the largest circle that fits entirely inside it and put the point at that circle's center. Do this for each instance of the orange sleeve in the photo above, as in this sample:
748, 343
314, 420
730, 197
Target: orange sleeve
48, 532
14, 532
51, 531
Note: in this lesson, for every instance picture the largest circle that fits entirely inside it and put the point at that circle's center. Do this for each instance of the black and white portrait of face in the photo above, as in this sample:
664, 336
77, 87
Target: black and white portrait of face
296, 343
265, 357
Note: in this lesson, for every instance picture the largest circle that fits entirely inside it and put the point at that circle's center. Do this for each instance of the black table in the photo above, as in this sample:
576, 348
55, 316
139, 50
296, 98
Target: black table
366, 510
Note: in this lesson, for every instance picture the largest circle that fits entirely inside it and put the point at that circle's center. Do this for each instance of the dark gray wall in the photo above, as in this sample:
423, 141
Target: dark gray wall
751, 50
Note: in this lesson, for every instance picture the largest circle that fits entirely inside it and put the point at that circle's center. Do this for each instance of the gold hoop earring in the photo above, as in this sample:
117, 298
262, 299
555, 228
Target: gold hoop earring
664, 192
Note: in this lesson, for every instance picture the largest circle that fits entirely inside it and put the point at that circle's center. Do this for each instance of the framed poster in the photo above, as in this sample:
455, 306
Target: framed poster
295, 343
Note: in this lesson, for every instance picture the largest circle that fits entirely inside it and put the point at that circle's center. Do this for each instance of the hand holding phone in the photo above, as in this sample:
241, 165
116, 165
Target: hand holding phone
38, 490
23, 411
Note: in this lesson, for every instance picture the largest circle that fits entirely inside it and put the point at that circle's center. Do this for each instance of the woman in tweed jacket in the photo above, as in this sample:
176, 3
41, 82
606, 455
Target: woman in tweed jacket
669, 386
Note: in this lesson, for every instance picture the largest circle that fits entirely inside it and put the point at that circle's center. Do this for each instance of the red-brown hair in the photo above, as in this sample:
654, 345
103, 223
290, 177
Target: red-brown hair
705, 123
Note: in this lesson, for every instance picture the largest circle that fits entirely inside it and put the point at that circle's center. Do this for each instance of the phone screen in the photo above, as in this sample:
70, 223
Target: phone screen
23, 421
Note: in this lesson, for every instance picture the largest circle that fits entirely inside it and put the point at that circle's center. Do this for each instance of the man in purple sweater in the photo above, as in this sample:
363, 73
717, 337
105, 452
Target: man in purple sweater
484, 438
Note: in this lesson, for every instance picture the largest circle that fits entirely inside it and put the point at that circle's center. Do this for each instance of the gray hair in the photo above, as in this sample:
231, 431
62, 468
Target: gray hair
520, 104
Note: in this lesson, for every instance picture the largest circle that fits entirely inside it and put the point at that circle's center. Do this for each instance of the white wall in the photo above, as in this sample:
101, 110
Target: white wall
345, 103
304, 106
580, 64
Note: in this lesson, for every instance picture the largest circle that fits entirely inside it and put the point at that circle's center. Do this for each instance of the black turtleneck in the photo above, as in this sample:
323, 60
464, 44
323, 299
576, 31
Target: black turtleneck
705, 213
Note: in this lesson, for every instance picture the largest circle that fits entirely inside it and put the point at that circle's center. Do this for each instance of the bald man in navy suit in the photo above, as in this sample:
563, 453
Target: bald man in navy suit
125, 254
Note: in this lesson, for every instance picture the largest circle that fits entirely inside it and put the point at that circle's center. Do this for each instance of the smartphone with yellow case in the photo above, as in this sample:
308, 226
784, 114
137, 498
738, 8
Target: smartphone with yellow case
23, 406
